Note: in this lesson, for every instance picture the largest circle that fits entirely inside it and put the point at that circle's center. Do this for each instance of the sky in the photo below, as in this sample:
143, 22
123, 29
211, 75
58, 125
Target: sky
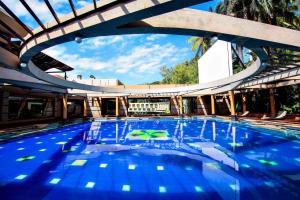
133, 59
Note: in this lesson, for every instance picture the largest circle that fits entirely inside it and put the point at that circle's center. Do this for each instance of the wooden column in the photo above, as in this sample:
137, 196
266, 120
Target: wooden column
201, 101
57, 107
180, 105
4, 106
272, 102
117, 106
85, 107
213, 104
232, 103
22, 106
65, 107
244, 102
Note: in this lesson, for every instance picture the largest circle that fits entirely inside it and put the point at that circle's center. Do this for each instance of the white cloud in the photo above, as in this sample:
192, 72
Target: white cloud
142, 60
83, 3
94, 43
154, 37
119, 41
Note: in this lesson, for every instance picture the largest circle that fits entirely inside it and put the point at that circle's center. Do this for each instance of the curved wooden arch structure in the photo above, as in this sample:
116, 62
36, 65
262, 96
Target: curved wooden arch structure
142, 16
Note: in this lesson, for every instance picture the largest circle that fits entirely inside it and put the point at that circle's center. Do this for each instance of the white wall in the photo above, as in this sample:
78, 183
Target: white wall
216, 63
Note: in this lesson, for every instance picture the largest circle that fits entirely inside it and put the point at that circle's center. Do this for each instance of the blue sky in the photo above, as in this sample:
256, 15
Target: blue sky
133, 59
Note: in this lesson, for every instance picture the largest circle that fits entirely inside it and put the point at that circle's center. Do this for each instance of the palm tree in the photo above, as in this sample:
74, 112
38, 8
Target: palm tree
218, 9
275, 12
92, 77
199, 45
268, 11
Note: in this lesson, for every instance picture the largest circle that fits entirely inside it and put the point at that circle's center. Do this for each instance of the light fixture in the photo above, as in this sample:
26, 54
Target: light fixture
78, 39
23, 65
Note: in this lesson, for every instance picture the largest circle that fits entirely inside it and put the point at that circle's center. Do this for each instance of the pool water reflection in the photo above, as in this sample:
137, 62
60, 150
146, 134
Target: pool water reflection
152, 159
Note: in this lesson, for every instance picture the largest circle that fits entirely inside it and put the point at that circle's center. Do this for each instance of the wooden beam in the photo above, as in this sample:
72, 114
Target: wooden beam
11, 30
73, 8
27, 7
52, 11
15, 17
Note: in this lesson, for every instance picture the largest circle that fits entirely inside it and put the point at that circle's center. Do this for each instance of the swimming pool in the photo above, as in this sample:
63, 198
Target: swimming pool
152, 159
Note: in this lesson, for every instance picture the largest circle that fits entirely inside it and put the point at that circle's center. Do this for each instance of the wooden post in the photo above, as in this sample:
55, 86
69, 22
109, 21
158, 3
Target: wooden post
232, 103
202, 105
180, 105
4, 106
272, 102
117, 106
212, 101
65, 107
85, 106
244, 102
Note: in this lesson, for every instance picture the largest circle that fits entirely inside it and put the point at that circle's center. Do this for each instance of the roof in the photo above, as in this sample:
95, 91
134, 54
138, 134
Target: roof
45, 62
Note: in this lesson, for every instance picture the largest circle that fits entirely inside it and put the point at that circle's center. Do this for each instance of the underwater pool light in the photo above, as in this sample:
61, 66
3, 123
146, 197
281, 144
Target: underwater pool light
162, 189
198, 189
55, 181
79, 162
245, 165
42, 150
25, 158
268, 162
297, 159
21, 177
103, 165
126, 188
269, 184
61, 143
234, 187
160, 168
90, 184
131, 167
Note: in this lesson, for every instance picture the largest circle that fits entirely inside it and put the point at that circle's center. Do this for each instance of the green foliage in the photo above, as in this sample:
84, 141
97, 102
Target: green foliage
292, 109
183, 73
276, 12
199, 45
289, 98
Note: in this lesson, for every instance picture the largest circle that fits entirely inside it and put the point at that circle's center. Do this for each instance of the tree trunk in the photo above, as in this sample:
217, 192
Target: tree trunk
239, 49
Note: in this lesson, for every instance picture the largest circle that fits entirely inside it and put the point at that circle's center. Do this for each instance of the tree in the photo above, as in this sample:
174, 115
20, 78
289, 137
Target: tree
218, 9
199, 45
92, 77
166, 73
275, 12
183, 73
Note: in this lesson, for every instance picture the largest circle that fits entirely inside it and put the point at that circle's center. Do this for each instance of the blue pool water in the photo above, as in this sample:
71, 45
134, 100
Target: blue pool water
188, 159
